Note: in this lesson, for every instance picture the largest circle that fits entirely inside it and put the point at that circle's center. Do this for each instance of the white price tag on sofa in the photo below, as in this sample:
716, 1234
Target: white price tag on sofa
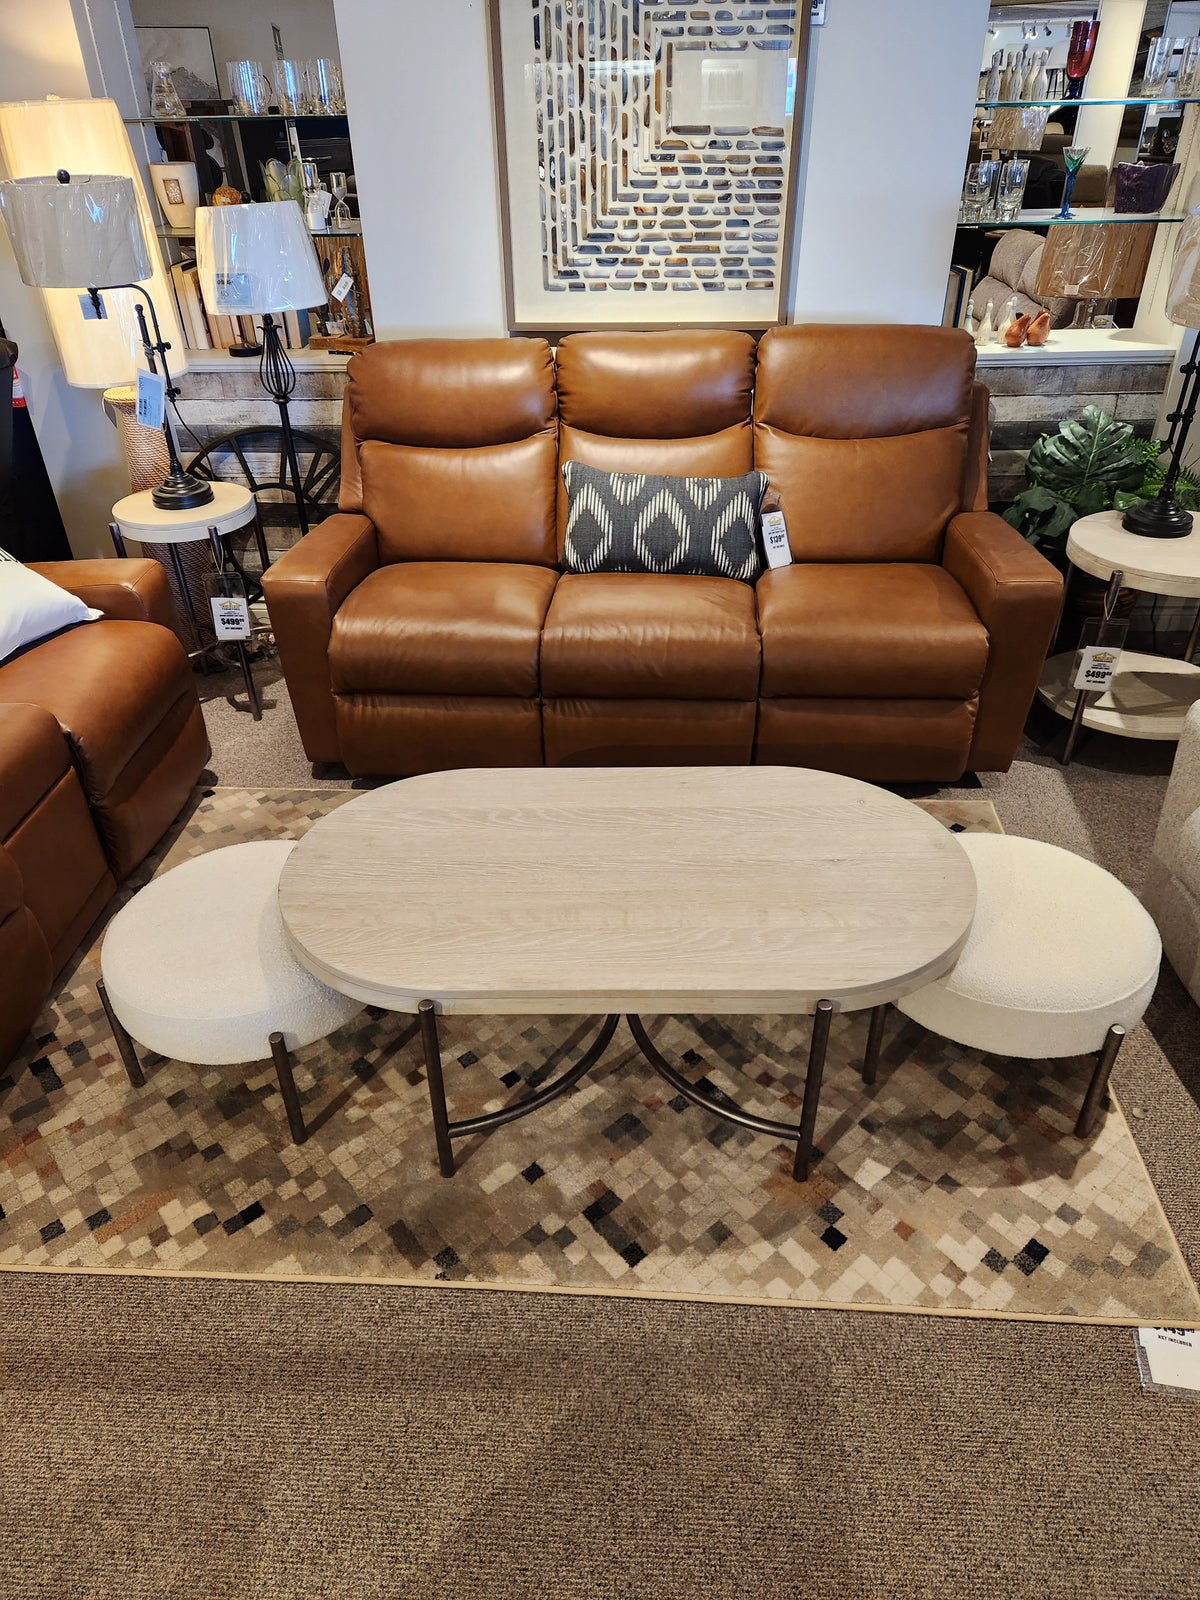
775, 539
151, 398
231, 616
1097, 666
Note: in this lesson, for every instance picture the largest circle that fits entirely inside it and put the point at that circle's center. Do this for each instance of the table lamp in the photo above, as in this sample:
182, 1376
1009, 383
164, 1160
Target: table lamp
1162, 517
1090, 261
260, 259
85, 232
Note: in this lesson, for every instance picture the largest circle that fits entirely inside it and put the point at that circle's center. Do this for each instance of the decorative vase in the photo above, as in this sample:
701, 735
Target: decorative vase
177, 191
1079, 55
1143, 185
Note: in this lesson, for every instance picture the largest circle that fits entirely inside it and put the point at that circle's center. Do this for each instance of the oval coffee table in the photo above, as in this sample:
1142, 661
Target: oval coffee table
720, 890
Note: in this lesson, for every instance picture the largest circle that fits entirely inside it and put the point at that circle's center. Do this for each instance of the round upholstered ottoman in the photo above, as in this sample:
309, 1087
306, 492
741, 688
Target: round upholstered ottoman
197, 967
1061, 960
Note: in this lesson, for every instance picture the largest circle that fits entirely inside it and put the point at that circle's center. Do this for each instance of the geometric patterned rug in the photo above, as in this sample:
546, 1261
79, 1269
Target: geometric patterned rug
954, 1185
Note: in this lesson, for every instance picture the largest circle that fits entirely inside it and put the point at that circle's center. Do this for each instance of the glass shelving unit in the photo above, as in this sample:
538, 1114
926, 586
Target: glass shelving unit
1049, 218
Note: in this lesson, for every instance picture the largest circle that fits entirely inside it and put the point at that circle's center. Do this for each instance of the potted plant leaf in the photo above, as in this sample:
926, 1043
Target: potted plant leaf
1090, 464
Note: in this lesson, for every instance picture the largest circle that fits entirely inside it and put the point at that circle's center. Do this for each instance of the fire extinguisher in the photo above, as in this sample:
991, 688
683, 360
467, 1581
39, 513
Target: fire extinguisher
31, 525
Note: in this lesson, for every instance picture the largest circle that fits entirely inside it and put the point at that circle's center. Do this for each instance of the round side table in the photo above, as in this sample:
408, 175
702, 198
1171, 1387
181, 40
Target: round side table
231, 507
1150, 695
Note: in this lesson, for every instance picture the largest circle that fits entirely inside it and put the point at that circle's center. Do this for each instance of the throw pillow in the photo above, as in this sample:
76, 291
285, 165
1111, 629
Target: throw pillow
31, 607
641, 522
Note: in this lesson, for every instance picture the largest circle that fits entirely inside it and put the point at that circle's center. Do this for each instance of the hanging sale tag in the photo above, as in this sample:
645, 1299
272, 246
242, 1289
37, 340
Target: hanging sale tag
151, 398
342, 287
1097, 664
231, 616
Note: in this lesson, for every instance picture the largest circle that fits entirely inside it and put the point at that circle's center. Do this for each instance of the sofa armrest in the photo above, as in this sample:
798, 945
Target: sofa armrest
1018, 596
1183, 793
126, 591
303, 591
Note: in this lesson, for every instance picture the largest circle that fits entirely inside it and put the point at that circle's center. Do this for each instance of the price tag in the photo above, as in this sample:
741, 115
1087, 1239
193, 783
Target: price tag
233, 291
1096, 666
775, 539
342, 287
151, 398
231, 616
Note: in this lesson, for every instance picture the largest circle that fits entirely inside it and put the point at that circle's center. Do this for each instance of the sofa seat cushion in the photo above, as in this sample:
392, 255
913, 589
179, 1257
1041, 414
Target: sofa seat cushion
442, 627
649, 635
895, 631
111, 686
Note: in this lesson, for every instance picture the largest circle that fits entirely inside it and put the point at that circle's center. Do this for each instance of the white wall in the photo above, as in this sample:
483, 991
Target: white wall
418, 91
40, 54
892, 90
891, 94
241, 29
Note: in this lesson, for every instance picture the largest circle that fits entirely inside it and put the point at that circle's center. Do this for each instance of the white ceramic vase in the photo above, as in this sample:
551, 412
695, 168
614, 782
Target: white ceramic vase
177, 191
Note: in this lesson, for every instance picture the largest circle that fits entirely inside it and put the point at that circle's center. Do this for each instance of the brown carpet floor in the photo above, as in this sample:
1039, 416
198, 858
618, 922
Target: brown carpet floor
231, 1441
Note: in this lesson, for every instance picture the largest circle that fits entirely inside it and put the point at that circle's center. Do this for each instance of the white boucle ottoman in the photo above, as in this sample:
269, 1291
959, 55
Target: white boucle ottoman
1061, 960
197, 967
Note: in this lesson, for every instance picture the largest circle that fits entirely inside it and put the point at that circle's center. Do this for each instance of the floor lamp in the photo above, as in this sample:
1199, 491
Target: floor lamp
1162, 517
260, 259
84, 232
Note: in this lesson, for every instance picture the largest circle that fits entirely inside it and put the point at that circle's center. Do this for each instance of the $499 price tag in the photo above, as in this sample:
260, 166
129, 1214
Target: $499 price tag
1096, 667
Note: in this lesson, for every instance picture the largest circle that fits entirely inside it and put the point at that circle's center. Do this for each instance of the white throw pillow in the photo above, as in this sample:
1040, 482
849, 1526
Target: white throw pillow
32, 607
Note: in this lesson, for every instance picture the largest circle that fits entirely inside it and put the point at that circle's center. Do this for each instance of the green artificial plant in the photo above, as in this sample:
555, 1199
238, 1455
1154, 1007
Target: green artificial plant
1092, 464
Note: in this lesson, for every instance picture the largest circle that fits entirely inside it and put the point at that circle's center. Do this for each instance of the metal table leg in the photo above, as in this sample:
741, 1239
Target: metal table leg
1081, 701
118, 539
125, 1045
201, 650
812, 1089
874, 1043
243, 654
1099, 1085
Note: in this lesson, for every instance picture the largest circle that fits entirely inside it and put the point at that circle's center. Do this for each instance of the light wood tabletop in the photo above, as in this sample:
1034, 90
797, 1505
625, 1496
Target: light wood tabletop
724, 890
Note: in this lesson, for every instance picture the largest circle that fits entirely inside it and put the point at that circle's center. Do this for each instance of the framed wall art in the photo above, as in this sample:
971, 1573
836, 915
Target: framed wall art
647, 160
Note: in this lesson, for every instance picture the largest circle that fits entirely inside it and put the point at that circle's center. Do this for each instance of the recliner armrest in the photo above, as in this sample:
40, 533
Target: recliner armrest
126, 591
1018, 596
303, 591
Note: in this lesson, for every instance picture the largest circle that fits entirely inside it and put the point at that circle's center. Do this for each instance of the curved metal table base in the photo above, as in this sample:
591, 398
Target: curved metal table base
445, 1131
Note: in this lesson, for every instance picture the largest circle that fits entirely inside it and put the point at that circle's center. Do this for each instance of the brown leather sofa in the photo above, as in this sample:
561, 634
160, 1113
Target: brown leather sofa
427, 624
101, 741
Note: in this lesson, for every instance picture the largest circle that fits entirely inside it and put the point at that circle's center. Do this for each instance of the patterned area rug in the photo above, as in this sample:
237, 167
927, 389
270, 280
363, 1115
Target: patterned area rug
955, 1185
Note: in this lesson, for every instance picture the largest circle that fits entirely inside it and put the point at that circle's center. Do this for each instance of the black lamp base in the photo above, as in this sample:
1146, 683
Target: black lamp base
1158, 519
180, 491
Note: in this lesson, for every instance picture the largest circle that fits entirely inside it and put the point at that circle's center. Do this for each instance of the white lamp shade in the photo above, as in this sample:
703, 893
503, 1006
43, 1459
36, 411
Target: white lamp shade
257, 258
75, 234
37, 138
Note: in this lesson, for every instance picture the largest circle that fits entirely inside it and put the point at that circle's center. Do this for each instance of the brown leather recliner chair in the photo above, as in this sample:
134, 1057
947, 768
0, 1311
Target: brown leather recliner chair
101, 741
426, 625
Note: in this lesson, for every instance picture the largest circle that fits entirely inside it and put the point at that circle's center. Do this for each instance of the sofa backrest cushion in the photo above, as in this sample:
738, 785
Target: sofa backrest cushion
864, 433
457, 448
677, 403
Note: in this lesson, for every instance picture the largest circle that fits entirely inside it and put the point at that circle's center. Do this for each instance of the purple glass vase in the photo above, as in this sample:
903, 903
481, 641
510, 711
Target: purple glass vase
1143, 185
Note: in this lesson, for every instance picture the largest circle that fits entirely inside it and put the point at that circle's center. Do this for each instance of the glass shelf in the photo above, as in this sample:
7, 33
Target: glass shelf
1082, 214
227, 116
1125, 100
353, 232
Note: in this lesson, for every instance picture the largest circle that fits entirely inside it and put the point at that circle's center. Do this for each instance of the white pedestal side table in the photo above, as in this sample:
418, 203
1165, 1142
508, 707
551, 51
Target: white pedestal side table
231, 507
1150, 695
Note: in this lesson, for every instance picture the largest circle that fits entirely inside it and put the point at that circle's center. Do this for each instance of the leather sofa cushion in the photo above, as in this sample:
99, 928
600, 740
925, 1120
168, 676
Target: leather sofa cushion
863, 382
109, 685
451, 393
675, 384
33, 757
864, 432
493, 503
650, 636
442, 627
898, 631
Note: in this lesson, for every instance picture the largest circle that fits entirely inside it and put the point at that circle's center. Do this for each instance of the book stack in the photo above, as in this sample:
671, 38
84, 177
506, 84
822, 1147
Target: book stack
204, 330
